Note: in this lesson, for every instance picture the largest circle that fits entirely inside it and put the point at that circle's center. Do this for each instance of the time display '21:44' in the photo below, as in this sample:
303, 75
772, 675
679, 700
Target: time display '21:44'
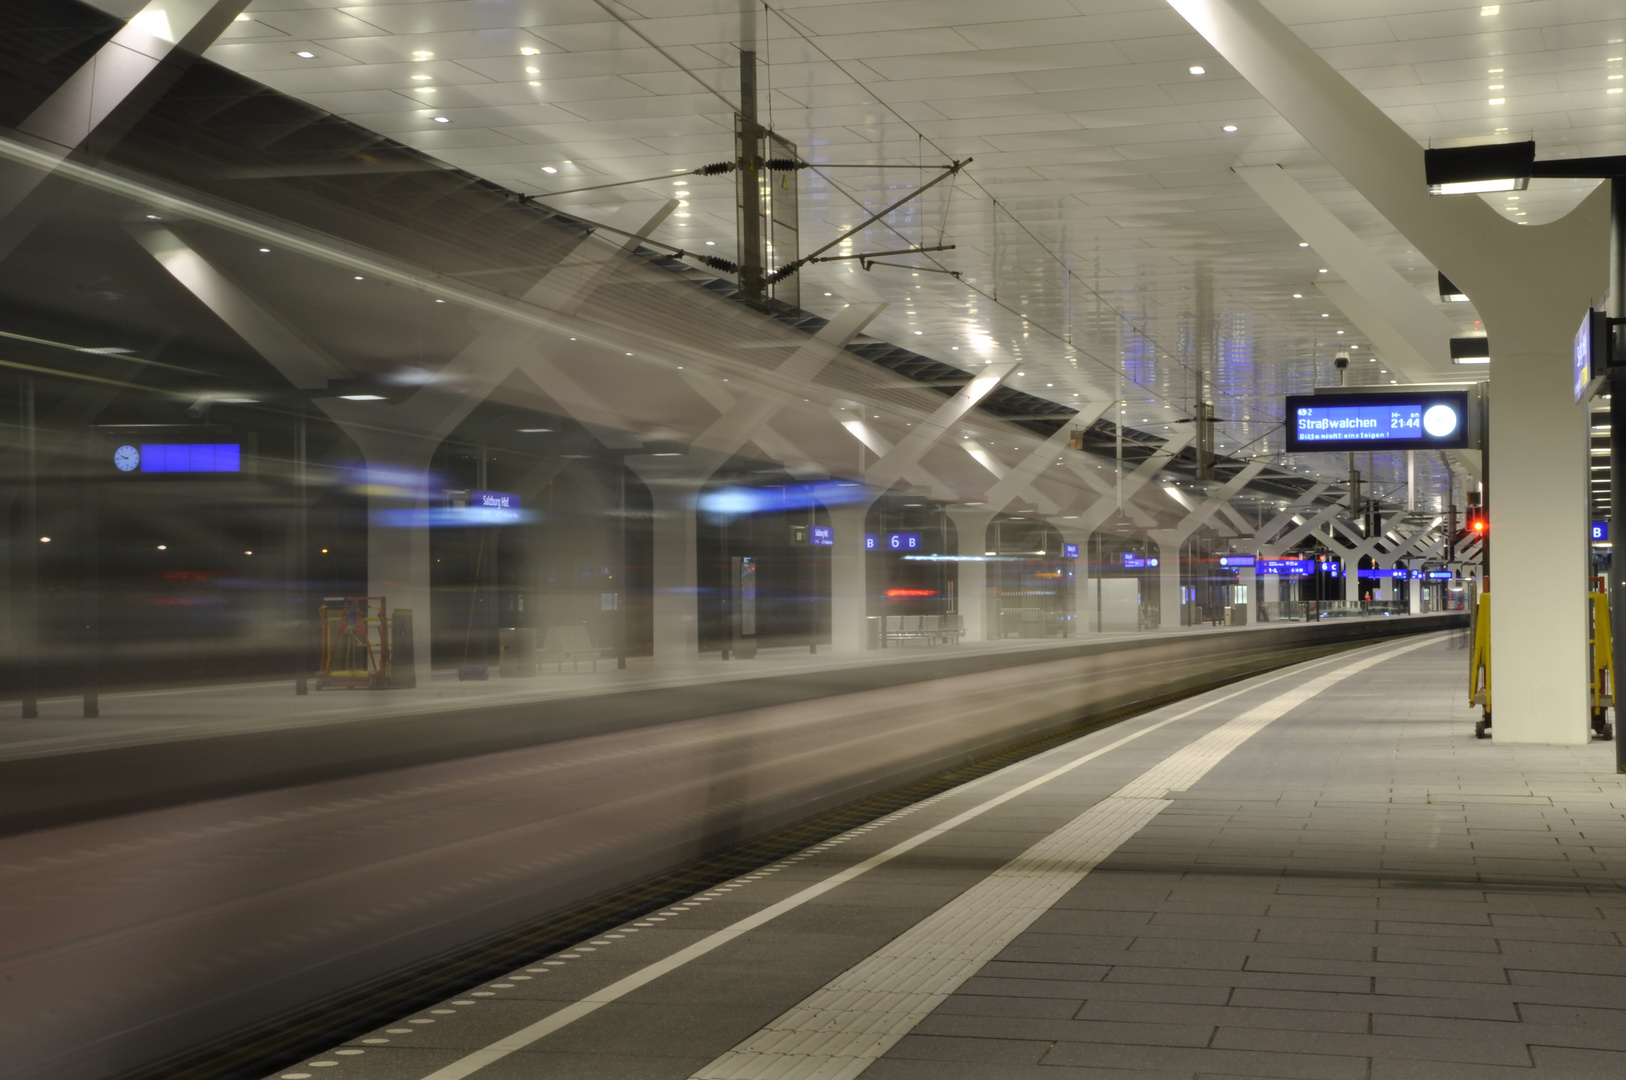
1406, 418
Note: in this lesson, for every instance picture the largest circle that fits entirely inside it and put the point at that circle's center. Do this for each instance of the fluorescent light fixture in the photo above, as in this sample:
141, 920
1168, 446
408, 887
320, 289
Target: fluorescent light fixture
362, 397
533, 430
1228, 127
303, 55
549, 169
1467, 170
1197, 69
443, 120
1470, 350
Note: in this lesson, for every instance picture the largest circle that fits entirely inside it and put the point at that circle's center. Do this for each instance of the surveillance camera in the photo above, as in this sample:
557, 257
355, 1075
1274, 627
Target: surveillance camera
1341, 361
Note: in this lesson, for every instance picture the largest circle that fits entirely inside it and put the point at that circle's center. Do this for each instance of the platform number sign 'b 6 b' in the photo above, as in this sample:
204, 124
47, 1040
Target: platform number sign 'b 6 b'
903, 541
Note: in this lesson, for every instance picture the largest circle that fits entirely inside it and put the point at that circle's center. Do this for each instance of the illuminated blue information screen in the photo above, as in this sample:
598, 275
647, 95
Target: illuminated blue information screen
903, 541
822, 536
1285, 567
1069, 551
191, 457
1400, 421
1339, 423
1237, 562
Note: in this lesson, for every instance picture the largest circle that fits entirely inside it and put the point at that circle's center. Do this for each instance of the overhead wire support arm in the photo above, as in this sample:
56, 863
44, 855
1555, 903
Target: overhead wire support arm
878, 254
949, 170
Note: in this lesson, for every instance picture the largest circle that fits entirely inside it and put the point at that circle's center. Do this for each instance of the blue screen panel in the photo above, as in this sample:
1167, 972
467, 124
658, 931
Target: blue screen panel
191, 457
1400, 420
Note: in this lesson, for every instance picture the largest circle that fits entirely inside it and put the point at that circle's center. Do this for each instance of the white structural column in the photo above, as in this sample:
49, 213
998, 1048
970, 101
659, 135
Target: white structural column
396, 442
849, 586
108, 94
1410, 333
675, 483
1169, 541
1530, 285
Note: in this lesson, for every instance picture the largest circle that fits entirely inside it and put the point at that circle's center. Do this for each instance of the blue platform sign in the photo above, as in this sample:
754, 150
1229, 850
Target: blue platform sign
1069, 551
1137, 562
1237, 562
1591, 354
1383, 575
180, 458
494, 508
821, 536
903, 541
1441, 575
1600, 532
872, 542
1286, 567
1395, 421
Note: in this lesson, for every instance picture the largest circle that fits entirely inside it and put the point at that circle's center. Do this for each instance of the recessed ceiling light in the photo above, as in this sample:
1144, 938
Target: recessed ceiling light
1304, 243
362, 397
1228, 127
549, 169
713, 243
244, 17
423, 54
1323, 270
1326, 314
530, 51
827, 294
443, 120
1197, 69
421, 78
1498, 101
534, 430
264, 250
305, 55
1490, 9
360, 278
1298, 296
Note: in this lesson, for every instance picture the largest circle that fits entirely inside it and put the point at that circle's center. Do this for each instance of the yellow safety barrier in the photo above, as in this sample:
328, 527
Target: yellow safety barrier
1602, 667
1479, 665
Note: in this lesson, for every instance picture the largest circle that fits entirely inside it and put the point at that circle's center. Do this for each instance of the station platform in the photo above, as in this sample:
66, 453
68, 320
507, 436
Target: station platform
213, 878
1314, 873
161, 747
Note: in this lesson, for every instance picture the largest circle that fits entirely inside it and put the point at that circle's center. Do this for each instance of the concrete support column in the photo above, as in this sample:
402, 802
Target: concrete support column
1537, 490
1248, 579
397, 483
1082, 605
849, 580
971, 527
674, 490
1168, 578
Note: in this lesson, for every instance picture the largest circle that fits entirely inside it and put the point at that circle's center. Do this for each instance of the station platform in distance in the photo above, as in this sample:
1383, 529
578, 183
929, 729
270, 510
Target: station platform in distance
1316, 872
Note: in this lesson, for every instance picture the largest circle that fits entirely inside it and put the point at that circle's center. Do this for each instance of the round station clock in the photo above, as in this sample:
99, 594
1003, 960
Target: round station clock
126, 458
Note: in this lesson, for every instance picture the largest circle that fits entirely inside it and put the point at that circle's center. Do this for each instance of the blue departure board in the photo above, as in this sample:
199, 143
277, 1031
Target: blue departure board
1436, 419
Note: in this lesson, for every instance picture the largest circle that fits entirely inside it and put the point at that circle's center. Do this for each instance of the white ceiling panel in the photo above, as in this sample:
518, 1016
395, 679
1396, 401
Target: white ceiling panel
1102, 179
